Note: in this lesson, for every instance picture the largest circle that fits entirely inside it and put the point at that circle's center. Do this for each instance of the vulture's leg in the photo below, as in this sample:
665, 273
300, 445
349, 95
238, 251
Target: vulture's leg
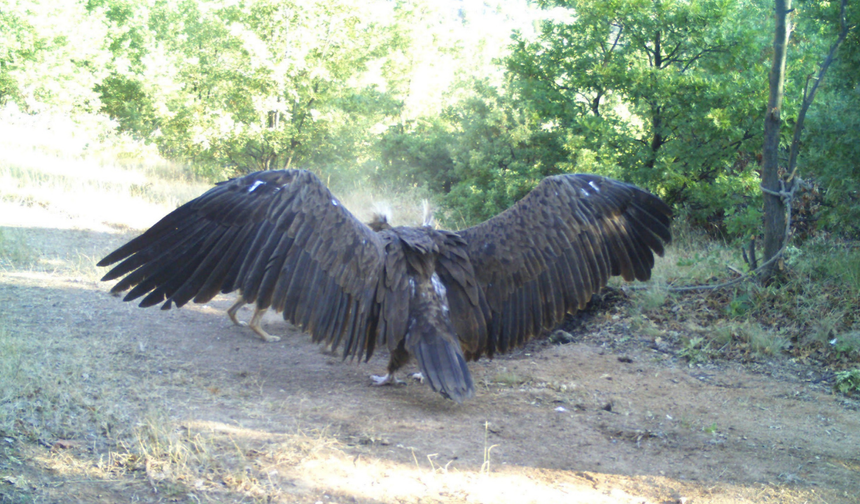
255, 320
398, 358
254, 324
419, 377
231, 312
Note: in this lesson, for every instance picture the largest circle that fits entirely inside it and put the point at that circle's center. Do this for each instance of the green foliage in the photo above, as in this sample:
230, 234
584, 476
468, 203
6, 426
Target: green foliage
847, 381
696, 350
645, 91
483, 155
265, 84
739, 306
51, 56
501, 154
419, 154
831, 140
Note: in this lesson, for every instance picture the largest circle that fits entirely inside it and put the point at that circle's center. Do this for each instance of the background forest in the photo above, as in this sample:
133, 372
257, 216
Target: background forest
472, 102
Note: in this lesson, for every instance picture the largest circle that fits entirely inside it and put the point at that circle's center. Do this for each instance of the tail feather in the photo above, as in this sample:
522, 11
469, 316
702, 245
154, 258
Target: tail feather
442, 363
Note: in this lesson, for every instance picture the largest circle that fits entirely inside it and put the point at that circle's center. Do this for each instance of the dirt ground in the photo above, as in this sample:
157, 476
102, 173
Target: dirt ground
613, 416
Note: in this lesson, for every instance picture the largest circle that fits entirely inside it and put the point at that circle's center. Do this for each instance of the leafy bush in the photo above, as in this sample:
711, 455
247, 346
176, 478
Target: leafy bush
847, 381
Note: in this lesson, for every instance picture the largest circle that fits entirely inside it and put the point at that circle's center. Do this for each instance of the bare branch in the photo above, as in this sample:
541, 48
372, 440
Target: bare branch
671, 56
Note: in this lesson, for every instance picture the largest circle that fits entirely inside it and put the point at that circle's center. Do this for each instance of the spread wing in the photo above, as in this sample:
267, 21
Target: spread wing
547, 255
281, 238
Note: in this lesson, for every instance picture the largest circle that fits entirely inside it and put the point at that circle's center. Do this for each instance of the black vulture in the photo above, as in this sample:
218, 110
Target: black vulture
285, 242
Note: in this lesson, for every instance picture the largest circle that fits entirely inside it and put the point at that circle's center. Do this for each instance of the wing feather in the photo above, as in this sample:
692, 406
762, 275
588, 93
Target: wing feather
552, 251
279, 237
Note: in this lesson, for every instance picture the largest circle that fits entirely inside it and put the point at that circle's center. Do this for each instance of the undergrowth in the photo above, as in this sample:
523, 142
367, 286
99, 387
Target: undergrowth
810, 312
848, 382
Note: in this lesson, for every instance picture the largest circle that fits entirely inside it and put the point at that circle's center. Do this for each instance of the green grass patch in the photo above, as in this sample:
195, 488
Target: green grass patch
848, 382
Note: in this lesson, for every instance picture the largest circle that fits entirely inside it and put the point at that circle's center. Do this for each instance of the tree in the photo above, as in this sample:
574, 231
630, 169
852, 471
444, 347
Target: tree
775, 185
831, 141
124, 92
249, 85
51, 56
648, 91
297, 75
774, 206
500, 153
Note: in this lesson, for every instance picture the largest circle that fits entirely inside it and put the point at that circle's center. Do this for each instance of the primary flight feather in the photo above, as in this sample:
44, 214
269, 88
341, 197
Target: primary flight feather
285, 242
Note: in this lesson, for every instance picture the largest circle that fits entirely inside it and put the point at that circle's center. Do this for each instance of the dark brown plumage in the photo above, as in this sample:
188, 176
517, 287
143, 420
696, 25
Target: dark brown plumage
284, 242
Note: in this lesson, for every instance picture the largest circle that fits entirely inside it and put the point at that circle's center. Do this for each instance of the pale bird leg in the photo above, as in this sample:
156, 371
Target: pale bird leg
417, 377
231, 312
254, 324
388, 379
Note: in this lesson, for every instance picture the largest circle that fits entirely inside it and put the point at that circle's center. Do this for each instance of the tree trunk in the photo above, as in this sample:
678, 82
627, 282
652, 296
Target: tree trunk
657, 139
774, 207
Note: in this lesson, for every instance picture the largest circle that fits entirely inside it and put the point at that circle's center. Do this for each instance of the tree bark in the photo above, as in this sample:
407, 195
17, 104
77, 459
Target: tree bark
774, 207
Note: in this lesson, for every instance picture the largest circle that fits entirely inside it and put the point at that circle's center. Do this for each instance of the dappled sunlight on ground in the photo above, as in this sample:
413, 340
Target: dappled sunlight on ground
299, 467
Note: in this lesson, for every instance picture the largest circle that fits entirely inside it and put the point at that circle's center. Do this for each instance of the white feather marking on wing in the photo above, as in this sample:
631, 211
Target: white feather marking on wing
441, 291
334, 202
255, 185
438, 285
584, 192
591, 183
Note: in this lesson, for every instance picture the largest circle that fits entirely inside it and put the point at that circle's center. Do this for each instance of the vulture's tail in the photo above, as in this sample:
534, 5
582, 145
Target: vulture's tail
441, 360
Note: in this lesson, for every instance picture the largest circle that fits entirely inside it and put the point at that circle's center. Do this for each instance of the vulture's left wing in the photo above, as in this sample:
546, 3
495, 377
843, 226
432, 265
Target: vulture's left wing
278, 236
549, 253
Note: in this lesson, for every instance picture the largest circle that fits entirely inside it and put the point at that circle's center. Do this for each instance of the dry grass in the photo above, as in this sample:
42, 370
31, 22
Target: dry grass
81, 189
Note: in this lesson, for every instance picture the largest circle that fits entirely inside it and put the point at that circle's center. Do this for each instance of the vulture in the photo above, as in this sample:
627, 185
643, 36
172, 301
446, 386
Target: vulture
284, 242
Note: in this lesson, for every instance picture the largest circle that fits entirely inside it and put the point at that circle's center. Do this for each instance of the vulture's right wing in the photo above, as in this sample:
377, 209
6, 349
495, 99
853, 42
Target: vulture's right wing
549, 253
281, 238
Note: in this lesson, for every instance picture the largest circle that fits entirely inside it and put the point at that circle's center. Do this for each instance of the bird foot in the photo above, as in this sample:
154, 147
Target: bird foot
255, 326
417, 377
268, 338
388, 379
257, 330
